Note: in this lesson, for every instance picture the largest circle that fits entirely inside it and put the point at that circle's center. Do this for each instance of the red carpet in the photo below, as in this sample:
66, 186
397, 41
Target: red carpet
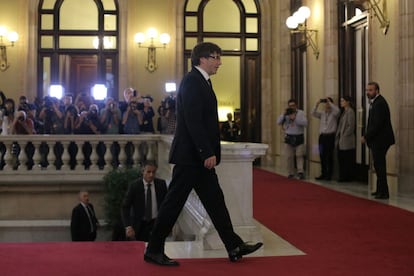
341, 235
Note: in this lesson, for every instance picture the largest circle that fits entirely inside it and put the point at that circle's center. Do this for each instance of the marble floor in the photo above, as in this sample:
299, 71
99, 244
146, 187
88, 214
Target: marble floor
273, 244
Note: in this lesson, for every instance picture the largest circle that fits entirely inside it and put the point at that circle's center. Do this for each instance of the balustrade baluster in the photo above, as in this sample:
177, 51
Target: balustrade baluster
22, 157
108, 155
136, 157
65, 156
51, 157
151, 151
80, 156
8, 157
122, 154
94, 156
36, 156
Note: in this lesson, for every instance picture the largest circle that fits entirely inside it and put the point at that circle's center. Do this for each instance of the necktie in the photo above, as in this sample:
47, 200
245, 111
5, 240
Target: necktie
89, 213
209, 82
148, 204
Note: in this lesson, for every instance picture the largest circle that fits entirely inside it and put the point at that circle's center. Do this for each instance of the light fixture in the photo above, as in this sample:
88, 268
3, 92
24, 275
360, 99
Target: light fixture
297, 24
170, 87
56, 91
152, 34
382, 18
12, 37
99, 92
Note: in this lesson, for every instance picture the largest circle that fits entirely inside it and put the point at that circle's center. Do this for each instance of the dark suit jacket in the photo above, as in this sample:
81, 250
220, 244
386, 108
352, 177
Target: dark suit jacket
133, 206
80, 226
379, 133
197, 135
228, 135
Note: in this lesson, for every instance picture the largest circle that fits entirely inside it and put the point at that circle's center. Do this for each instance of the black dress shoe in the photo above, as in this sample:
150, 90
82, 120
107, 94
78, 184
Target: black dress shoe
159, 259
382, 196
242, 250
374, 193
321, 177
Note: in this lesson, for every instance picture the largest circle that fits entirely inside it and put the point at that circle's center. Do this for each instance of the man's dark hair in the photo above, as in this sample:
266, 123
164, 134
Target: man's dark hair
375, 84
292, 101
203, 49
151, 163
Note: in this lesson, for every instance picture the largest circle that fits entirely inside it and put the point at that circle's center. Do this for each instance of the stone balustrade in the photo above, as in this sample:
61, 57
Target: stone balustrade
40, 181
71, 157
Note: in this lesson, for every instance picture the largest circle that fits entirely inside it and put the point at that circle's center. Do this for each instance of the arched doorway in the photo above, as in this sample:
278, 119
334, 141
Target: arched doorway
235, 26
77, 45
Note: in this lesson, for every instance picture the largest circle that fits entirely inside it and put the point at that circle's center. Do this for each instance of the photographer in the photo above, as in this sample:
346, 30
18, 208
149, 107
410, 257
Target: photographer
327, 131
132, 118
110, 117
293, 123
166, 121
148, 114
89, 122
22, 124
52, 116
7, 116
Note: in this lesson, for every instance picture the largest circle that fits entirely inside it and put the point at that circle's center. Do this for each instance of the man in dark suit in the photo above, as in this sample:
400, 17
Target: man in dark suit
229, 129
83, 224
141, 203
379, 136
195, 151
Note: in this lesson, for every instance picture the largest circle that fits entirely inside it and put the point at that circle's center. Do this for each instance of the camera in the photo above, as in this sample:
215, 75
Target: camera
48, 103
290, 111
323, 100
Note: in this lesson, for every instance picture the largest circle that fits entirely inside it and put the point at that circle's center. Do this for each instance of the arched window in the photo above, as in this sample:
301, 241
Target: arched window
235, 26
78, 45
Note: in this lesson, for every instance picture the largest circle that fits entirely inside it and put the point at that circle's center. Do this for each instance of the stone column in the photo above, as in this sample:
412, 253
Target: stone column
405, 88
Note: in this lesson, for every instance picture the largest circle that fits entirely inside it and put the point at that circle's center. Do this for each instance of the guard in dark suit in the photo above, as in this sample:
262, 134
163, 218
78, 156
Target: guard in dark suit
379, 136
195, 151
140, 207
229, 129
83, 224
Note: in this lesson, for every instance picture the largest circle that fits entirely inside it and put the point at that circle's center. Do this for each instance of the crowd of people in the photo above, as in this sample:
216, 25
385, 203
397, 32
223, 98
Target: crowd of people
337, 132
83, 115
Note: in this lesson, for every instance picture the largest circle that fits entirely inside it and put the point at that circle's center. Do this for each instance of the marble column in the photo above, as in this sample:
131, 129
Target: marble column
405, 92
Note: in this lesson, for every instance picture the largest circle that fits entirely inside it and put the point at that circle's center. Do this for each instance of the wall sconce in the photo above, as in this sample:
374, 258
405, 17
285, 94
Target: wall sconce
297, 24
152, 34
12, 38
383, 20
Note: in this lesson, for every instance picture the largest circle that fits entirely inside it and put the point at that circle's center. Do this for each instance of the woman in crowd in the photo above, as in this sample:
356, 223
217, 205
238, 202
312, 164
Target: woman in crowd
345, 140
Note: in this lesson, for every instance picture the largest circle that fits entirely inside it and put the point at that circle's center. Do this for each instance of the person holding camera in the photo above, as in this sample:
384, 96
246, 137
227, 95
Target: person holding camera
293, 123
167, 120
7, 116
327, 131
132, 118
110, 116
147, 116
52, 116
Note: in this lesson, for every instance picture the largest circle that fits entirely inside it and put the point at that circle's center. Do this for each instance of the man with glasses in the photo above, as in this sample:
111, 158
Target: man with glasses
293, 122
195, 151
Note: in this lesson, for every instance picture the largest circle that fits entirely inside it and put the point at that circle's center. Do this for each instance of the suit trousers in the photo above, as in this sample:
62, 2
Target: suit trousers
326, 151
206, 185
346, 162
380, 166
